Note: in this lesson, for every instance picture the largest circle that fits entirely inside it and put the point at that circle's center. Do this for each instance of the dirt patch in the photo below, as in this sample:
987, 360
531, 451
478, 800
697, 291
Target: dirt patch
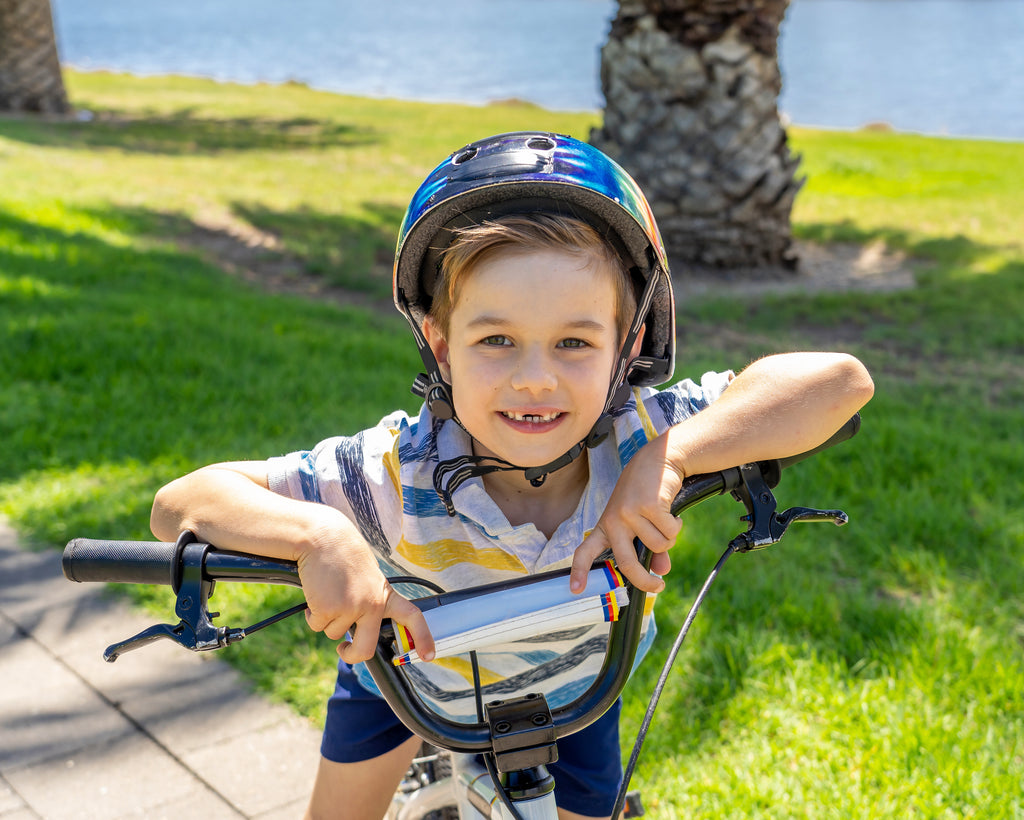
836, 267
259, 257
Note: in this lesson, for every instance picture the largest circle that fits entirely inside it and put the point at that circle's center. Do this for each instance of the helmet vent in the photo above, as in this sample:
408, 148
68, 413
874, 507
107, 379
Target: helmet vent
464, 156
541, 144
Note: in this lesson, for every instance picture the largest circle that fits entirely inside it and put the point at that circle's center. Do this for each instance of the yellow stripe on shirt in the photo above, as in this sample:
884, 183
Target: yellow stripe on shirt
440, 555
393, 465
645, 419
460, 666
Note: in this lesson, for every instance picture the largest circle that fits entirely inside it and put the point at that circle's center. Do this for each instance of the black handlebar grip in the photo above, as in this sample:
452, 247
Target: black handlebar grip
844, 433
126, 562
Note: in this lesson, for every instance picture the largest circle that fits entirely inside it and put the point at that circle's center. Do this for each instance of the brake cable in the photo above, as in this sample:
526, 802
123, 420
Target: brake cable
641, 736
295, 610
488, 757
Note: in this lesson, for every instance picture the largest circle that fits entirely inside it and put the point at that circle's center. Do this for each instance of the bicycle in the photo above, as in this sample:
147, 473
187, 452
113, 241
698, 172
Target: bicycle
493, 769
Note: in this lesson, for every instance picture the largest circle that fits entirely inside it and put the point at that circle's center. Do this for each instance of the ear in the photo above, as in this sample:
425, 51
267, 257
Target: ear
438, 346
638, 345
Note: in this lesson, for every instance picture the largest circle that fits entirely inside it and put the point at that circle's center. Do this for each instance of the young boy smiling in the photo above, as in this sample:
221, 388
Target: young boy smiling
535, 284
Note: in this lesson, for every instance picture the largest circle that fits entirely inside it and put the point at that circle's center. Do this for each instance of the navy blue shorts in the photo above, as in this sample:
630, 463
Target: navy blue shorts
360, 725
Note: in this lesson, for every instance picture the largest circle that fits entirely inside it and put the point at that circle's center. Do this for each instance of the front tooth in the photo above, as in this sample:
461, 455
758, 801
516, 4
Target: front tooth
534, 417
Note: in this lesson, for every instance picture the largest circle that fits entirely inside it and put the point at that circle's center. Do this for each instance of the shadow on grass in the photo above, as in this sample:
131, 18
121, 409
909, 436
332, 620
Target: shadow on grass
963, 309
350, 252
302, 251
943, 251
115, 350
186, 132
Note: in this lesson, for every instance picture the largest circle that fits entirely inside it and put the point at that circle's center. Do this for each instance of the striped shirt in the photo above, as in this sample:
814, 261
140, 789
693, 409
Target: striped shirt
382, 479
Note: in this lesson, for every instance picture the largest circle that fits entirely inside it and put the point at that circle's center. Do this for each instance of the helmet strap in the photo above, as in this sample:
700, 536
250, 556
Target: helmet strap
452, 473
429, 386
616, 397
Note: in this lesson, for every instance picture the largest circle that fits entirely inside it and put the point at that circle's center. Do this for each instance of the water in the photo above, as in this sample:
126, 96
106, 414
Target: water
936, 66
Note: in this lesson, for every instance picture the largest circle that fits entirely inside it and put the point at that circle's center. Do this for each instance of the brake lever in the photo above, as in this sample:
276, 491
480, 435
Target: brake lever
196, 630
182, 634
795, 514
767, 526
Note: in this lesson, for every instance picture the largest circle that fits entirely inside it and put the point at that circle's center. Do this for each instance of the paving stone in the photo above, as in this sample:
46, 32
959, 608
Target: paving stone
206, 806
10, 802
45, 710
128, 776
263, 770
162, 733
292, 811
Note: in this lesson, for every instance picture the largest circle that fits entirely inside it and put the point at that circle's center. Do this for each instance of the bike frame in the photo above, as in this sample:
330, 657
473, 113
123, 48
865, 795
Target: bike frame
471, 790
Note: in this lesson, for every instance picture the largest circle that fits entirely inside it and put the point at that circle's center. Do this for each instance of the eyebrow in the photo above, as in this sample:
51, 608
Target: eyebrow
497, 321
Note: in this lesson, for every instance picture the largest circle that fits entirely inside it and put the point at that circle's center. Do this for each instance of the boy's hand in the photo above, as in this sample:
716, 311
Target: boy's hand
638, 508
346, 590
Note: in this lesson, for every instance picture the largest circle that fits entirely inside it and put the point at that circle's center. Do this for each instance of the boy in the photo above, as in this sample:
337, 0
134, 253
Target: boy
534, 281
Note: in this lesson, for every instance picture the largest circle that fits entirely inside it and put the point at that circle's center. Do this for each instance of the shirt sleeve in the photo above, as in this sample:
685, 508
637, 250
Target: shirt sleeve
686, 398
357, 475
649, 413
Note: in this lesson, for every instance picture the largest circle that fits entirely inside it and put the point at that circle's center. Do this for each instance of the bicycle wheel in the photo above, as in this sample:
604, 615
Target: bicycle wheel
429, 766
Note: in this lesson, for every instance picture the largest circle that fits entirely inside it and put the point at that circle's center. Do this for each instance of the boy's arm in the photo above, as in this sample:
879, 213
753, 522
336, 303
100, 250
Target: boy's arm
231, 505
778, 406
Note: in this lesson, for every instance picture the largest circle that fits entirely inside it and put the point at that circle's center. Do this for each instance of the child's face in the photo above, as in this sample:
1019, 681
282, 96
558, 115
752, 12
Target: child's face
529, 354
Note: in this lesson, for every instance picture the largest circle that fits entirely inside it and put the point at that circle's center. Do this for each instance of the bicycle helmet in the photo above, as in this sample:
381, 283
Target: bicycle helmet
530, 172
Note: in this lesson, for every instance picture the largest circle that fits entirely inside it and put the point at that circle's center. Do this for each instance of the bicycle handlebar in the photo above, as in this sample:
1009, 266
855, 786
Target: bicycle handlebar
145, 562
120, 562
160, 562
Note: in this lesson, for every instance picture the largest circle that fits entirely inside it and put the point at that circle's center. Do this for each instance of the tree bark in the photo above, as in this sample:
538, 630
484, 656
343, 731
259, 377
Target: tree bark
30, 75
691, 90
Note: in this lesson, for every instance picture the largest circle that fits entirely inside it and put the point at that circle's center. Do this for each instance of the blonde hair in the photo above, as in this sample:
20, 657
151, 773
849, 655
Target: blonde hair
521, 232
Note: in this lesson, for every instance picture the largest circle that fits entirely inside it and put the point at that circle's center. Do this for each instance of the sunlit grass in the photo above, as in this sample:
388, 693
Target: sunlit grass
870, 671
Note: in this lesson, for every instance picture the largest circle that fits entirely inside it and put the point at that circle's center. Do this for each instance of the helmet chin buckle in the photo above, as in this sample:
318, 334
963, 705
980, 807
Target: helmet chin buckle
603, 426
600, 431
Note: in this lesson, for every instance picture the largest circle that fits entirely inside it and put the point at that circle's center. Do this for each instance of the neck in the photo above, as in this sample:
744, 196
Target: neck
546, 506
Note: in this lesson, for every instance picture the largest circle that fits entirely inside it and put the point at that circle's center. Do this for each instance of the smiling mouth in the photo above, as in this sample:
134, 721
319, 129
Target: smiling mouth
532, 418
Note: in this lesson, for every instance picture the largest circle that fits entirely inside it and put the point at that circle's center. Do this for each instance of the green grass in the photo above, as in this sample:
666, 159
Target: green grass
873, 671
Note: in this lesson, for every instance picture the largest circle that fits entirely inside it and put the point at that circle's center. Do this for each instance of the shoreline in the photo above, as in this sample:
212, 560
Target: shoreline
873, 126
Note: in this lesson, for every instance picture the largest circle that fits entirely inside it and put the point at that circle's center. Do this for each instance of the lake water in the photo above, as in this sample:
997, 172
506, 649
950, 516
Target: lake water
935, 66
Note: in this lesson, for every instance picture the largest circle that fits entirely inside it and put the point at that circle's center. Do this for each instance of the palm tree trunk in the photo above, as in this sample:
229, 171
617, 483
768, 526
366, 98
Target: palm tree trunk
30, 75
691, 89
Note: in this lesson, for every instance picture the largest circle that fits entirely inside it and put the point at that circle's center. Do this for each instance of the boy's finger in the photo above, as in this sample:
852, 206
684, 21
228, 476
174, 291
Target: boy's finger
320, 623
652, 537
408, 615
661, 563
363, 641
630, 566
584, 556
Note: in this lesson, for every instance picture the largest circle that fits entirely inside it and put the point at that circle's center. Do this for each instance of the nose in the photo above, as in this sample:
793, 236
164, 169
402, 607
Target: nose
533, 371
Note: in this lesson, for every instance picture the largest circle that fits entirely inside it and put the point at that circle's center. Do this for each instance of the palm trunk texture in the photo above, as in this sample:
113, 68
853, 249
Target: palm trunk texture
691, 90
30, 75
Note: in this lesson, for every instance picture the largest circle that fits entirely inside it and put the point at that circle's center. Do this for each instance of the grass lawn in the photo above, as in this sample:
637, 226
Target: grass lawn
874, 671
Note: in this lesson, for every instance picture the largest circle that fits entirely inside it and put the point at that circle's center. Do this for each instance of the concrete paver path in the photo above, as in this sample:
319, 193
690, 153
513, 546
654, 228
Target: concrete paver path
162, 733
